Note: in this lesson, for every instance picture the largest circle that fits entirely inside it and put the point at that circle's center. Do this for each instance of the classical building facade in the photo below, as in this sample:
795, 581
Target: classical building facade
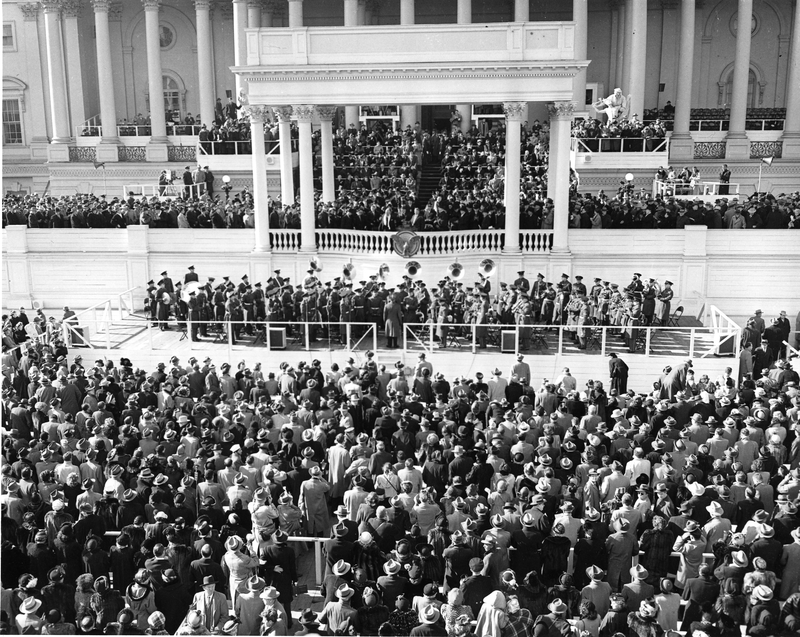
78, 73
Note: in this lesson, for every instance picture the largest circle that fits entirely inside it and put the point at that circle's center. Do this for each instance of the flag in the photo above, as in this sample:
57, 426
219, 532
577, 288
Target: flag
99, 164
768, 160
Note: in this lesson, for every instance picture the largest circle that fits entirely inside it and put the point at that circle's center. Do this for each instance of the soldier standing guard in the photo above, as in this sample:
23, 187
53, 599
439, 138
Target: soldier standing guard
537, 296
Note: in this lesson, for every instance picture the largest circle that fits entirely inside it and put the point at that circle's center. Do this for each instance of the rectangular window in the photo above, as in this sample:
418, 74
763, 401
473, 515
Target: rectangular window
9, 37
12, 123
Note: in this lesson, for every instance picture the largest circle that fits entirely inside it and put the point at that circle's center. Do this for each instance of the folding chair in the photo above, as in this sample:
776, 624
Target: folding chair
538, 340
676, 317
595, 336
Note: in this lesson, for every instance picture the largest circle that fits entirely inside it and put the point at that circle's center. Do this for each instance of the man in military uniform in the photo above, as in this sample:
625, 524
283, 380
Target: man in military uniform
548, 304
522, 316
152, 300
521, 282
259, 302
603, 302
190, 276
248, 307
562, 299
204, 308
665, 297
578, 288
583, 321
194, 315
169, 286
537, 295
636, 284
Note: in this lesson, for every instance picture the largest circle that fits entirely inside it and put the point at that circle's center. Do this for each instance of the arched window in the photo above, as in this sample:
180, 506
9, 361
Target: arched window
752, 90
172, 94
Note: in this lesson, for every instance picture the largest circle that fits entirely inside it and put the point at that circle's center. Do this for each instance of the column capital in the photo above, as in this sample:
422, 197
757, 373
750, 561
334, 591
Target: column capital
326, 113
203, 5
51, 6
258, 113
72, 8
283, 113
514, 111
30, 11
151, 5
304, 112
115, 11
561, 110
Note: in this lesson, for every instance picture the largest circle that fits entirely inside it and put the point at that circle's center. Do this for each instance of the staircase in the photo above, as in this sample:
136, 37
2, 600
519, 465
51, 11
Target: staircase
428, 184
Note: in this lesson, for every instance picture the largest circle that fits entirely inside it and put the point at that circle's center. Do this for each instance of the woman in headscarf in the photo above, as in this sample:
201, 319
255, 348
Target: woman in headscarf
455, 608
492, 618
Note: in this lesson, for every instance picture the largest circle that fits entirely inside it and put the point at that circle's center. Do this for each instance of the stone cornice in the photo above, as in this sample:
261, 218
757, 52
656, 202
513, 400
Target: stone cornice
287, 74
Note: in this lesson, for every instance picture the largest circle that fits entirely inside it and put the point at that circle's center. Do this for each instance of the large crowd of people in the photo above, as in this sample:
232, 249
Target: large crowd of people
164, 501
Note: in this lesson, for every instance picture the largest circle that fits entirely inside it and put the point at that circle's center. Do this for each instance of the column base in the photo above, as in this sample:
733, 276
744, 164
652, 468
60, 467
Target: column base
107, 151
307, 250
560, 252
156, 152
791, 145
681, 148
737, 146
57, 152
511, 250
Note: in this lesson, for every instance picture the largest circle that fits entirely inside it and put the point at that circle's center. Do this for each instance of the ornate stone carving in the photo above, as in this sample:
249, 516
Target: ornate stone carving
30, 11
283, 113
151, 5
72, 8
326, 113
202, 4
258, 114
514, 111
304, 112
51, 6
561, 110
115, 11
101, 5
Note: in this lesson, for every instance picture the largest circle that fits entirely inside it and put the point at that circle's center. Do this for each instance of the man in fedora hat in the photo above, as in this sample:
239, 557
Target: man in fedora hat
211, 605
249, 605
554, 622
430, 625
638, 589
339, 616
279, 569
597, 591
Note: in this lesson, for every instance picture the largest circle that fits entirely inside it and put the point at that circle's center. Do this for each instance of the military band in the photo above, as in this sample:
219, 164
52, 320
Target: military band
453, 309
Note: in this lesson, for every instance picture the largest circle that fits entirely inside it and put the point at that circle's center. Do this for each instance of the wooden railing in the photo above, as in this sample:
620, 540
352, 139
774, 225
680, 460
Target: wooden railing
431, 243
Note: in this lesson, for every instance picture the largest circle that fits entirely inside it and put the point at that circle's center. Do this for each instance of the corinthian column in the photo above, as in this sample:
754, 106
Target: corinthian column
57, 83
258, 115
326, 115
681, 146
157, 150
791, 134
308, 241
105, 79
284, 115
515, 112
561, 114
737, 144
205, 63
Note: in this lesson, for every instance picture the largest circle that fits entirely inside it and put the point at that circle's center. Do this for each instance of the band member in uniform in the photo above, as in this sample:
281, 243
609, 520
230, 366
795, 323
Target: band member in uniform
190, 276
636, 284
194, 315
151, 301
259, 302
537, 296
548, 304
665, 297
578, 288
164, 300
649, 294
564, 292
522, 283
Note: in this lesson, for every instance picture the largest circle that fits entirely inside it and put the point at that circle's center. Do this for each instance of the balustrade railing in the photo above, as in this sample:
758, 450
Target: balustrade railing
431, 243
145, 130
677, 188
620, 145
236, 147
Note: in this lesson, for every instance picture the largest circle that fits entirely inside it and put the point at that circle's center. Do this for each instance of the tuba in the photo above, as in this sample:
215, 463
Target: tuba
193, 286
348, 271
456, 270
487, 267
412, 268
315, 265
